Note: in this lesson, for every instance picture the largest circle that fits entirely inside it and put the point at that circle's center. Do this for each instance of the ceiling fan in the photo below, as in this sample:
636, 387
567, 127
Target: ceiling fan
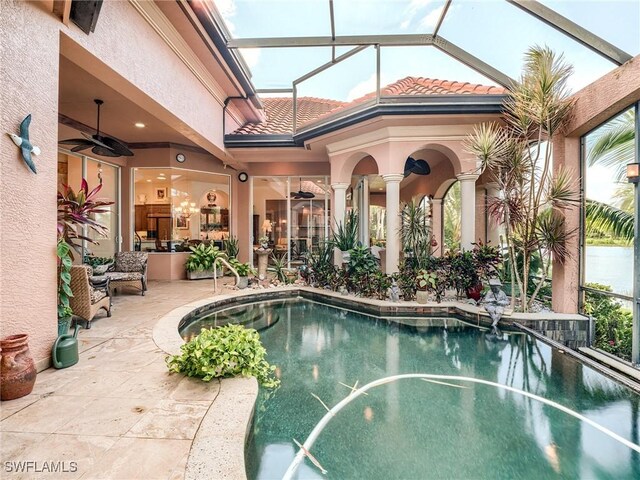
419, 167
300, 194
102, 144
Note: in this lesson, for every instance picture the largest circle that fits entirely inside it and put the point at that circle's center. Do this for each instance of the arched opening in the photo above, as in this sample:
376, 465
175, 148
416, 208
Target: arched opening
452, 217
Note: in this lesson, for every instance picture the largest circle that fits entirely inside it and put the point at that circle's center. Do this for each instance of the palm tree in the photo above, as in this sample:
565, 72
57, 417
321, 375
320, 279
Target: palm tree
613, 146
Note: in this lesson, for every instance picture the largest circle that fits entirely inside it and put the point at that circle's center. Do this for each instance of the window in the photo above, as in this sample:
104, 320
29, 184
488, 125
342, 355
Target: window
176, 208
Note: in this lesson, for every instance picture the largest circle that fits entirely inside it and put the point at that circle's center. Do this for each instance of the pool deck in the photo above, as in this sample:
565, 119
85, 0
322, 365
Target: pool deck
119, 414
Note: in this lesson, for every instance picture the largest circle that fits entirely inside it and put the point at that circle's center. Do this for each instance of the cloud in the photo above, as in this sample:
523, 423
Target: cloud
251, 56
430, 20
227, 9
412, 10
362, 88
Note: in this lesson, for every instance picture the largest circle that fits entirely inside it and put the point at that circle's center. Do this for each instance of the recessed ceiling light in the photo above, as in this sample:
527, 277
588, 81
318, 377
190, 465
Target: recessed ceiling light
161, 178
140, 125
148, 180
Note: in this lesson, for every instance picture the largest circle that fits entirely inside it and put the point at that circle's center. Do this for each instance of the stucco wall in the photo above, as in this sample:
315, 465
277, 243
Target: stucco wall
29, 80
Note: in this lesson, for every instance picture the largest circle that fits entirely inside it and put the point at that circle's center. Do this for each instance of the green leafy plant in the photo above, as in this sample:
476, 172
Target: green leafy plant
613, 322
407, 282
226, 351
463, 273
63, 252
415, 233
232, 246
204, 257
319, 268
279, 267
423, 280
345, 237
75, 211
97, 261
243, 269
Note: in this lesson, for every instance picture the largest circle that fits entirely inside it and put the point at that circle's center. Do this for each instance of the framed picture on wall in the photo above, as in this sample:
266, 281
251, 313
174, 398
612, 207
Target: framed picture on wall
161, 194
182, 222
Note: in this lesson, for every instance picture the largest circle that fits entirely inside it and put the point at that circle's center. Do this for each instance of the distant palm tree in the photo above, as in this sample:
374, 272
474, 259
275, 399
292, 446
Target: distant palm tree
613, 146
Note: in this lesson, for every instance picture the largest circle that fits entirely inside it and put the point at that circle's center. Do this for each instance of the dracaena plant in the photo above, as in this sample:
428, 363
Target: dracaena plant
75, 212
518, 157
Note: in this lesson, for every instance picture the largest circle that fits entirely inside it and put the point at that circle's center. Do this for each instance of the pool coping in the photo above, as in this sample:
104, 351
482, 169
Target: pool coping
226, 425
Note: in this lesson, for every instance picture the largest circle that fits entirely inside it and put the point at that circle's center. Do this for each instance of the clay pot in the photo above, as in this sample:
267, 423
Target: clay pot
18, 372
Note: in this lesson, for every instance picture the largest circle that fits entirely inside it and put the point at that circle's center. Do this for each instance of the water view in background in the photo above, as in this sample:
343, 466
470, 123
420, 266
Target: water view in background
611, 266
416, 429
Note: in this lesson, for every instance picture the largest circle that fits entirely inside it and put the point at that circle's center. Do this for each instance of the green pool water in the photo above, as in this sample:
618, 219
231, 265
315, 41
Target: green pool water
414, 429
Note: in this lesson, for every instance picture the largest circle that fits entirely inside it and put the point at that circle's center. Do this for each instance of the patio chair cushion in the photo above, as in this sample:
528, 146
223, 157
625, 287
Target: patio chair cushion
130, 262
97, 295
124, 276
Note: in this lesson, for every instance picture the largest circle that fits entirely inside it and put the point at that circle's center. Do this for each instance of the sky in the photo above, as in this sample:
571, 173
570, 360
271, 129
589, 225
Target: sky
492, 30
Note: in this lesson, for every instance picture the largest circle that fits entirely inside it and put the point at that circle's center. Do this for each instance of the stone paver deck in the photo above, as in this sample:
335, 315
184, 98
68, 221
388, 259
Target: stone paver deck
118, 413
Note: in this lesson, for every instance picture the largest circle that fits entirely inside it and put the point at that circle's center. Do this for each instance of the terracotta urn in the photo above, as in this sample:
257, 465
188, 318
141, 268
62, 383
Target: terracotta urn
18, 372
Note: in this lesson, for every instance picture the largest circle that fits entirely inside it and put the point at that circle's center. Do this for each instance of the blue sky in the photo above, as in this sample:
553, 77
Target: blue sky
492, 30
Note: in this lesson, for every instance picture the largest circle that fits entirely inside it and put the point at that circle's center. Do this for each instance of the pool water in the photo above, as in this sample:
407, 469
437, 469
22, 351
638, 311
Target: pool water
415, 429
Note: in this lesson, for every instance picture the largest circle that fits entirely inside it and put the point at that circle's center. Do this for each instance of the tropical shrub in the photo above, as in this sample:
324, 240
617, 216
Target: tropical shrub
243, 269
204, 257
345, 237
463, 271
279, 267
415, 233
75, 211
613, 322
407, 281
232, 246
225, 351
319, 269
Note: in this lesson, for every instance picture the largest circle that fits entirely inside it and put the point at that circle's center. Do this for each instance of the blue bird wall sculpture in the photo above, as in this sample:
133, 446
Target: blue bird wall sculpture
26, 147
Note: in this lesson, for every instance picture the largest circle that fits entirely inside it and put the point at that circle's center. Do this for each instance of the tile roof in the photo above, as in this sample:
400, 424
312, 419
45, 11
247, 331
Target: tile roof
279, 112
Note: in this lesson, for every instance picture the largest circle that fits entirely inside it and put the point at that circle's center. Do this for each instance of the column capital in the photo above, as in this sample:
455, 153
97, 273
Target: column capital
339, 186
467, 177
393, 177
436, 201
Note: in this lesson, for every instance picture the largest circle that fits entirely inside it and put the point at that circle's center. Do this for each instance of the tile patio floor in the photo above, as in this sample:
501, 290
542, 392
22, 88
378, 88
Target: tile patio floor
117, 413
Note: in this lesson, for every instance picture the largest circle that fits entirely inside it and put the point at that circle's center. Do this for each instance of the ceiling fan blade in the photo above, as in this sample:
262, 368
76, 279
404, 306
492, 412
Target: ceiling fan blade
79, 148
95, 139
421, 167
105, 152
76, 141
307, 195
117, 146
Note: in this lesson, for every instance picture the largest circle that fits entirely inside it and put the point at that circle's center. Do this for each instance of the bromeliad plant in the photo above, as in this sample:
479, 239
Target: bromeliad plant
518, 157
226, 351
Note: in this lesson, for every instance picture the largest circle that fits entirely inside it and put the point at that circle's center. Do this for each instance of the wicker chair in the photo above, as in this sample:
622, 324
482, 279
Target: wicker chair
129, 269
86, 300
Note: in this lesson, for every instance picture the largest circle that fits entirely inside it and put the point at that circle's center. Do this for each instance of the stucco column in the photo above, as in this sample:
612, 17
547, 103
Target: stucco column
493, 228
436, 225
392, 182
339, 207
468, 209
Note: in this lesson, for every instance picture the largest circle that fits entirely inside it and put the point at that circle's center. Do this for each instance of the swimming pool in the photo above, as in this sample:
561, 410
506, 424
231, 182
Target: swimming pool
418, 429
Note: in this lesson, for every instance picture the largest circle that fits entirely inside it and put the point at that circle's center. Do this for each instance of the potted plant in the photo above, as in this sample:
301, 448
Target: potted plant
345, 237
243, 270
424, 280
99, 264
264, 242
204, 262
